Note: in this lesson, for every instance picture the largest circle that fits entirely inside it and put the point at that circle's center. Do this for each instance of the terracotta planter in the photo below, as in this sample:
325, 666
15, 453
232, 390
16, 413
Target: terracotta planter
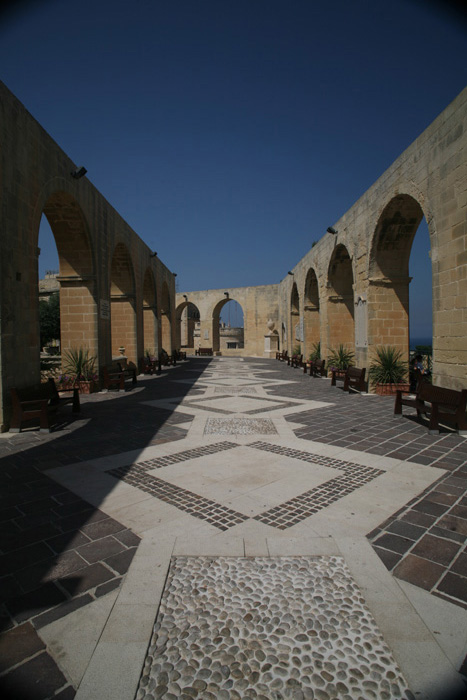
390, 389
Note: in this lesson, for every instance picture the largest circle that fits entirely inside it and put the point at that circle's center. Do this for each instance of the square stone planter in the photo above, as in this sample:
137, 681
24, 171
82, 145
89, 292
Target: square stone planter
85, 387
390, 389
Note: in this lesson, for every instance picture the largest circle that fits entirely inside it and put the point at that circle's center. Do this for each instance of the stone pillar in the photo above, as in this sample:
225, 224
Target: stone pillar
271, 341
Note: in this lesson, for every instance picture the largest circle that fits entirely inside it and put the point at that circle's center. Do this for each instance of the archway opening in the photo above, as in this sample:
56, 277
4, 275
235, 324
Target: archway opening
296, 332
166, 319
66, 278
122, 303
421, 289
228, 328
150, 324
341, 324
400, 311
311, 312
188, 326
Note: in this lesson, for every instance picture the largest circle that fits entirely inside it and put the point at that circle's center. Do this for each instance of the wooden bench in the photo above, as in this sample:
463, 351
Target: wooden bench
295, 361
445, 406
282, 356
317, 368
353, 378
41, 402
116, 376
203, 351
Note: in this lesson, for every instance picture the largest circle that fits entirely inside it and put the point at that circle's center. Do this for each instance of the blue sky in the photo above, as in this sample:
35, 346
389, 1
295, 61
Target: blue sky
230, 133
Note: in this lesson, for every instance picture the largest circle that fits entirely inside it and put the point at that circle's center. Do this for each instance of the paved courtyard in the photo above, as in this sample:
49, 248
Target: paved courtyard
234, 529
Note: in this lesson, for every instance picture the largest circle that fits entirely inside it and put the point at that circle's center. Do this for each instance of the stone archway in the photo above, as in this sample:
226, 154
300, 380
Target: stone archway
341, 325
223, 346
166, 320
388, 279
150, 322
78, 305
122, 304
311, 312
188, 323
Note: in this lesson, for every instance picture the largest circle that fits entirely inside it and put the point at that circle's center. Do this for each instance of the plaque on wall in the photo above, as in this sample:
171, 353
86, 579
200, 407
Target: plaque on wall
104, 307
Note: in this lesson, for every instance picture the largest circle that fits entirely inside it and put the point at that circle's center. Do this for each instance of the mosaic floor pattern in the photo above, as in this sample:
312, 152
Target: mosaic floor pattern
264, 628
243, 492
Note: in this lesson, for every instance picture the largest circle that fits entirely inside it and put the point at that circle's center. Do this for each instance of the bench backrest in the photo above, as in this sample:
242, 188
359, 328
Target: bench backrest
356, 372
35, 392
446, 397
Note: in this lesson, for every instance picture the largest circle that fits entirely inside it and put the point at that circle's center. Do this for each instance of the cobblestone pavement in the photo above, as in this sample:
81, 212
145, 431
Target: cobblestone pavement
227, 457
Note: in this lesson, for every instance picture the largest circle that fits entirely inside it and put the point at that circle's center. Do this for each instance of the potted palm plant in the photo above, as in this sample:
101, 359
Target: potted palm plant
315, 354
80, 366
340, 359
388, 371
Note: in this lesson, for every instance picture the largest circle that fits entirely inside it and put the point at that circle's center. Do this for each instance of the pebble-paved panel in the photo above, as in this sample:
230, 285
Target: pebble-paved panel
239, 426
266, 628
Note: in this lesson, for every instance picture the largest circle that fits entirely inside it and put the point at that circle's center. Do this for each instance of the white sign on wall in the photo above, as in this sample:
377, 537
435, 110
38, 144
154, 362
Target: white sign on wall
206, 335
361, 323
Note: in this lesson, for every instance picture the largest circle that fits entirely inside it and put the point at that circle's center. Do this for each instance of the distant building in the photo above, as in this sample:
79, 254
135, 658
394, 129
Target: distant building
48, 285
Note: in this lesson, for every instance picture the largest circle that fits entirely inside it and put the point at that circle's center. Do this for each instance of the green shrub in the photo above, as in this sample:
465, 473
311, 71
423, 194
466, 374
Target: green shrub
388, 367
342, 358
316, 352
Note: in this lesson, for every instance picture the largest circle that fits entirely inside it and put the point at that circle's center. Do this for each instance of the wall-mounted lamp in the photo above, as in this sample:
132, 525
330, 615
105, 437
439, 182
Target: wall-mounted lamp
290, 273
153, 255
331, 229
185, 297
80, 172
226, 294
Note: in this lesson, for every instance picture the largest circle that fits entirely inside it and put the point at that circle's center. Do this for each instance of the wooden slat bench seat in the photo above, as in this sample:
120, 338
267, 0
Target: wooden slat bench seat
295, 361
317, 368
203, 351
114, 377
440, 405
353, 378
41, 402
282, 355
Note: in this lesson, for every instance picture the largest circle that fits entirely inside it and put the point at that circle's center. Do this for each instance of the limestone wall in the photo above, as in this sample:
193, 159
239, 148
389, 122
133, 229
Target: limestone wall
96, 285
259, 304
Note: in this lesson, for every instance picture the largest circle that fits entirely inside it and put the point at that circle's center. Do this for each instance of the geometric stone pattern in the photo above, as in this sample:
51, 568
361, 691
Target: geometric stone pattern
239, 426
235, 391
282, 516
198, 506
310, 502
425, 542
205, 404
292, 627
159, 462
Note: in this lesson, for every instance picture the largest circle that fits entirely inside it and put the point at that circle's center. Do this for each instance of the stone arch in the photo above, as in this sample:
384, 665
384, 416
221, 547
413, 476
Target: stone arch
122, 304
216, 341
294, 335
340, 317
188, 323
150, 322
388, 283
166, 319
78, 304
311, 311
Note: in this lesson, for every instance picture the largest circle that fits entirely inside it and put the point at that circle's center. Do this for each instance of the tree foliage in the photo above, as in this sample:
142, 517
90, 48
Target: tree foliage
49, 319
